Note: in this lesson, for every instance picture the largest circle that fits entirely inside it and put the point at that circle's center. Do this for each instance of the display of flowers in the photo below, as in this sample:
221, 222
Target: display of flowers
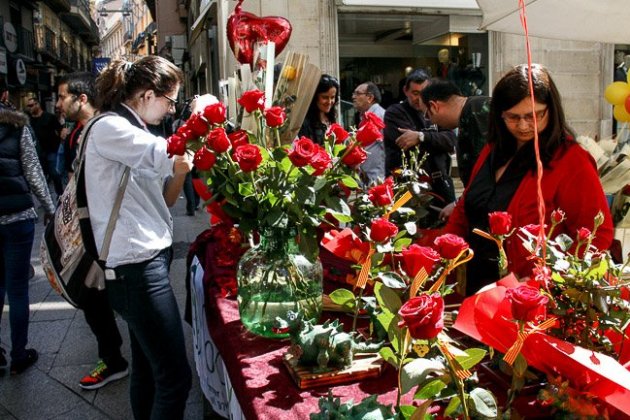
262, 184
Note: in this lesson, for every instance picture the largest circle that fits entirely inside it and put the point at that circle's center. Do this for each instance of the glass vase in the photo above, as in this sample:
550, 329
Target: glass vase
274, 278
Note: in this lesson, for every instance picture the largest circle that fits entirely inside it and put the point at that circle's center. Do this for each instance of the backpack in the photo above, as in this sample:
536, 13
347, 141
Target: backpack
68, 250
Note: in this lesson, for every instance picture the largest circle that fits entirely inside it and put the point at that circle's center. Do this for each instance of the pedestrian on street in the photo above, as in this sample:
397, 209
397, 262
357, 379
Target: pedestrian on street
20, 176
76, 100
366, 98
140, 93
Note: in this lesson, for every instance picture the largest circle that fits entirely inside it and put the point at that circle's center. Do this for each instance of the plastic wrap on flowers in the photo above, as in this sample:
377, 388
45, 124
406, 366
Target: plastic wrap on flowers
486, 317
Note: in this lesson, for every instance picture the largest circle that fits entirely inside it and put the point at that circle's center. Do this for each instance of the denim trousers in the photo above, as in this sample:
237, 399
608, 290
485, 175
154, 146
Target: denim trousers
160, 375
16, 242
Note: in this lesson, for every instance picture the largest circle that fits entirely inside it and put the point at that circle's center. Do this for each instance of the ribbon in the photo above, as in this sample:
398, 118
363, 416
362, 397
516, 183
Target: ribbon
418, 281
513, 351
399, 203
459, 371
364, 274
465, 256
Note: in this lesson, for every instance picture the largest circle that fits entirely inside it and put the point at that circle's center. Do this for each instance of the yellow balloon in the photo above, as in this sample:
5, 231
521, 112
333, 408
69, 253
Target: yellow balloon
620, 113
616, 92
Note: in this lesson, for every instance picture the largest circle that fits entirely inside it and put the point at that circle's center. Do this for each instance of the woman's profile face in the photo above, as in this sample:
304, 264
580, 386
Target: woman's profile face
155, 107
326, 100
519, 119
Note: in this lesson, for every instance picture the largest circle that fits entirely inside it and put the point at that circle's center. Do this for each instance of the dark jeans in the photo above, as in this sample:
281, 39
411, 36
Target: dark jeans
16, 242
50, 168
160, 374
192, 199
100, 317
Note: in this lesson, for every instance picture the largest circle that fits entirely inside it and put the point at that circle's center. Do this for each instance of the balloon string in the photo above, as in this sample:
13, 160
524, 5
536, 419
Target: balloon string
539, 168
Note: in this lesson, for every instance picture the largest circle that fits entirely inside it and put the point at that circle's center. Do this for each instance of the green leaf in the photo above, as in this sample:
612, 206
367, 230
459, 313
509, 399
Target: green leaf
472, 357
399, 244
520, 365
246, 189
484, 403
430, 390
392, 280
452, 406
385, 318
387, 298
388, 355
343, 297
417, 371
349, 182
407, 411
341, 217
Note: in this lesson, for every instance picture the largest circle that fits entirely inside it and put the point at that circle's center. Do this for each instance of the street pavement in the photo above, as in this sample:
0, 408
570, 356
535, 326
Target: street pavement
67, 349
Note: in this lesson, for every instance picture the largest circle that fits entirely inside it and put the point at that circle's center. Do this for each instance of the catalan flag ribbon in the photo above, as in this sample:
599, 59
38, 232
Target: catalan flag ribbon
513, 351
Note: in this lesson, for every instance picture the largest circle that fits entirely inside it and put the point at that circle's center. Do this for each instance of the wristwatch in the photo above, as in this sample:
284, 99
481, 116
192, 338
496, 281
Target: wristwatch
420, 136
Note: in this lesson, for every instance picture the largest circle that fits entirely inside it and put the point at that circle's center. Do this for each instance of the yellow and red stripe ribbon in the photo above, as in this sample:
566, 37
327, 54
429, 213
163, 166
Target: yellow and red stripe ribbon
399, 203
364, 274
513, 351
460, 372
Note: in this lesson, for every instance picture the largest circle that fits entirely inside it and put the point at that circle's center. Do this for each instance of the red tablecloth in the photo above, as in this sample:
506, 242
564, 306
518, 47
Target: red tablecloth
262, 384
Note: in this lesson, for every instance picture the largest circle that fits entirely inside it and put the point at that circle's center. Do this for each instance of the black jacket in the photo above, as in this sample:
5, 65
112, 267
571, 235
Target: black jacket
15, 193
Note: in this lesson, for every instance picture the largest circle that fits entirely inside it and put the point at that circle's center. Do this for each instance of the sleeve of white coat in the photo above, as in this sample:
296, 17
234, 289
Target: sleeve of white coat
116, 139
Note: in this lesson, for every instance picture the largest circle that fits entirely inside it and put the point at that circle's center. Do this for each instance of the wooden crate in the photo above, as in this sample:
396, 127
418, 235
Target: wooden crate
364, 365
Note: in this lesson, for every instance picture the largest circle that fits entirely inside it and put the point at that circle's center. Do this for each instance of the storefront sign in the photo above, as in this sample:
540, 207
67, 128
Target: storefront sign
9, 35
425, 4
98, 64
20, 71
4, 69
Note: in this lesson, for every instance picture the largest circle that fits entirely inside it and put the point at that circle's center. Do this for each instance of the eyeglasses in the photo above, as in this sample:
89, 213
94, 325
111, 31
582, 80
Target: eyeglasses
357, 93
514, 119
173, 102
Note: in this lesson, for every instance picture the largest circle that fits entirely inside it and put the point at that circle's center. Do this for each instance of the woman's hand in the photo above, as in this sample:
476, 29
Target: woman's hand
201, 102
182, 164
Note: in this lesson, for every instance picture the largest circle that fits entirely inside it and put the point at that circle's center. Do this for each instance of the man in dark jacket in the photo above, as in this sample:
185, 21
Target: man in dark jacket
406, 127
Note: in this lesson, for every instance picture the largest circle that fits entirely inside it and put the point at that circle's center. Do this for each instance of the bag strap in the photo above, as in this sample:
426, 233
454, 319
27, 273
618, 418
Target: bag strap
109, 232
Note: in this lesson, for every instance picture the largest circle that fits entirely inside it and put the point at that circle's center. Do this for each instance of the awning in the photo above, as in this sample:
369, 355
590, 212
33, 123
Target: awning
195, 29
422, 4
577, 20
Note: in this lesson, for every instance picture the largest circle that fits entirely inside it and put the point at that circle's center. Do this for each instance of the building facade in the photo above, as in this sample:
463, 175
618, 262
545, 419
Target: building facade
361, 40
42, 40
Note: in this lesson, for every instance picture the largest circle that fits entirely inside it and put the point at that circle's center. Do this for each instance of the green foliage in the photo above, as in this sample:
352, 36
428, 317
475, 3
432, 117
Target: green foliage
417, 371
472, 357
483, 404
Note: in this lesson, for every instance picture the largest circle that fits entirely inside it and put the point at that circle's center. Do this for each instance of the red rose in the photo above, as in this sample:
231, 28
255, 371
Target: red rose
321, 161
528, 303
218, 140
275, 116
370, 117
368, 134
450, 246
500, 223
215, 113
248, 157
346, 244
184, 132
197, 125
423, 315
557, 216
238, 138
204, 159
416, 257
356, 157
382, 230
338, 131
625, 293
583, 234
302, 152
175, 145
383, 194
252, 100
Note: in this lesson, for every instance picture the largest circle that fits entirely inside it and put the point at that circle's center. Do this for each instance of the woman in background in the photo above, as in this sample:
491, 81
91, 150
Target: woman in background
321, 113
20, 175
504, 177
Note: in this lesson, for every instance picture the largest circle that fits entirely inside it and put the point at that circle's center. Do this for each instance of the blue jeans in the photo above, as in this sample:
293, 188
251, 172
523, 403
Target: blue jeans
160, 374
16, 242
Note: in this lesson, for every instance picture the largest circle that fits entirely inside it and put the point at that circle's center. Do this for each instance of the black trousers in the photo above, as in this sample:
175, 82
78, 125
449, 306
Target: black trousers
100, 317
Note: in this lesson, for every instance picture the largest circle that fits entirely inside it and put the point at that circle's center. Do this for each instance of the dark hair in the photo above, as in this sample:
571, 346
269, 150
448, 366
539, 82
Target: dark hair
121, 80
512, 89
80, 83
439, 90
3, 85
417, 76
326, 82
373, 90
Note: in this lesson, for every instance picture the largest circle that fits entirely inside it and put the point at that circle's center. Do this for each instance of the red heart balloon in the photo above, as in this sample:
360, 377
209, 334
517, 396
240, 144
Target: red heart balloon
246, 29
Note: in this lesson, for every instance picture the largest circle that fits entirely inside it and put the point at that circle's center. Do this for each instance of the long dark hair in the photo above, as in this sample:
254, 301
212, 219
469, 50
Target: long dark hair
325, 83
512, 89
121, 80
